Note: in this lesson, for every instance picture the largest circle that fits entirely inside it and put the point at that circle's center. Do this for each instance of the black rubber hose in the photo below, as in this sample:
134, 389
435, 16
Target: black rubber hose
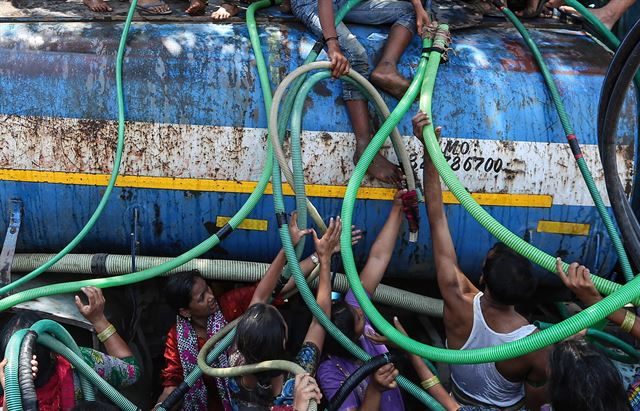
176, 396
620, 204
25, 377
356, 378
620, 73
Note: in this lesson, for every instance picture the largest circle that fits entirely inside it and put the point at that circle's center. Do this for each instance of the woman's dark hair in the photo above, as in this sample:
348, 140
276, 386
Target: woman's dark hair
508, 276
94, 406
178, 289
583, 378
260, 336
46, 363
343, 318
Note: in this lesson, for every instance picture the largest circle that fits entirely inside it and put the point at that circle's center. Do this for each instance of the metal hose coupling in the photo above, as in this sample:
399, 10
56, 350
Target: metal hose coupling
442, 41
429, 31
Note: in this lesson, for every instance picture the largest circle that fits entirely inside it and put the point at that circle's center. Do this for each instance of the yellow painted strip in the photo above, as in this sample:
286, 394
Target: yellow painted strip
505, 200
247, 224
561, 227
313, 190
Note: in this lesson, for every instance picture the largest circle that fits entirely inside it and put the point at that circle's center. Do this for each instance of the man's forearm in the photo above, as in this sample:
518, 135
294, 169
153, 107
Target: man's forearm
323, 296
432, 190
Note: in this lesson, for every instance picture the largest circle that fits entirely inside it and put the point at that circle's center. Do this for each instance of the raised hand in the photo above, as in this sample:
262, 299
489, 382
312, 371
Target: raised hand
294, 231
329, 241
94, 311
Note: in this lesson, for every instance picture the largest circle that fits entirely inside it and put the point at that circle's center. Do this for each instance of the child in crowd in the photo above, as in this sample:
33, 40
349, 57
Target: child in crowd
345, 51
262, 335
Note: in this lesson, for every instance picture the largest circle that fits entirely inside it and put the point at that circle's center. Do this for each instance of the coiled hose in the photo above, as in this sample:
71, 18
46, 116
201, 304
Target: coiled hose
305, 292
51, 334
536, 341
572, 140
351, 383
244, 369
13, 396
25, 377
85, 370
630, 356
114, 173
612, 97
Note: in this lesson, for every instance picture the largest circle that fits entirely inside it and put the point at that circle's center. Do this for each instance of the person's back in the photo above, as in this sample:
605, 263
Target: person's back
477, 320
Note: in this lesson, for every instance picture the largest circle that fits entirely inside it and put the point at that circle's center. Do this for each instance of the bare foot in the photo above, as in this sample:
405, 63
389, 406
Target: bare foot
605, 16
225, 11
153, 7
381, 169
386, 77
99, 6
196, 7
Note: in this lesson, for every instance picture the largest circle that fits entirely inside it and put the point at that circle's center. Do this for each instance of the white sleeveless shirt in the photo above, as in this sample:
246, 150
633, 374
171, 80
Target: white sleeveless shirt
483, 382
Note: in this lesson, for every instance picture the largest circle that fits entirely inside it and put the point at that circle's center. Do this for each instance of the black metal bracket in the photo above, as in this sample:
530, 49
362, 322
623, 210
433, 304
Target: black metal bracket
135, 241
10, 240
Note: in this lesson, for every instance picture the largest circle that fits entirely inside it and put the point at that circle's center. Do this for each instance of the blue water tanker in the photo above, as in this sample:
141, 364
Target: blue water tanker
196, 139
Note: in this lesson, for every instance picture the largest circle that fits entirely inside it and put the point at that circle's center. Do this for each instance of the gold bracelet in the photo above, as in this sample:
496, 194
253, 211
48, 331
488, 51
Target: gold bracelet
428, 383
629, 321
106, 333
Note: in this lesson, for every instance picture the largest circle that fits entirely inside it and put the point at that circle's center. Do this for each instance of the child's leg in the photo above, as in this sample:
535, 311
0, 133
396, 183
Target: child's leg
386, 75
225, 11
357, 106
381, 168
402, 15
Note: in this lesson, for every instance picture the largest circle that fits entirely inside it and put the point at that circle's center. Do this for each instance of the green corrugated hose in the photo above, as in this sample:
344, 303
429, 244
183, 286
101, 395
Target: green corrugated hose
84, 369
305, 292
203, 362
57, 338
536, 341
41, 327
573, 142
630, 356
114, 173
13, 395
59, 332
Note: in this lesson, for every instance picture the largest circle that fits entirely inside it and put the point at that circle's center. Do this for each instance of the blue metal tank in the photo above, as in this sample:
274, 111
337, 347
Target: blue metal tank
196, 138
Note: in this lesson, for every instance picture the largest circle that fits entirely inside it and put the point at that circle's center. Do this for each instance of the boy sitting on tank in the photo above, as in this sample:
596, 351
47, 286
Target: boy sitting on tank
475, 319
346, 52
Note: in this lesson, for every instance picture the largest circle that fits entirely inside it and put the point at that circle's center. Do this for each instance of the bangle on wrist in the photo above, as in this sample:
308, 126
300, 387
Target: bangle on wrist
314, 259
105, 334
628, 322
328, 39
430, 382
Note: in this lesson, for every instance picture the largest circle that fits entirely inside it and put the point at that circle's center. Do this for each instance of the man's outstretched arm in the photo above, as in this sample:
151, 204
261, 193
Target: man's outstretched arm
451, 280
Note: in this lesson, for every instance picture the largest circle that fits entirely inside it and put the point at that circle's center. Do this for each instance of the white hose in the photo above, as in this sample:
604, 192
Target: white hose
224, 270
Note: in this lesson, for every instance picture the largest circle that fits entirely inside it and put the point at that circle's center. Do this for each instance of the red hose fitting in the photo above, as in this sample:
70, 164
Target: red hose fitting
411, 210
